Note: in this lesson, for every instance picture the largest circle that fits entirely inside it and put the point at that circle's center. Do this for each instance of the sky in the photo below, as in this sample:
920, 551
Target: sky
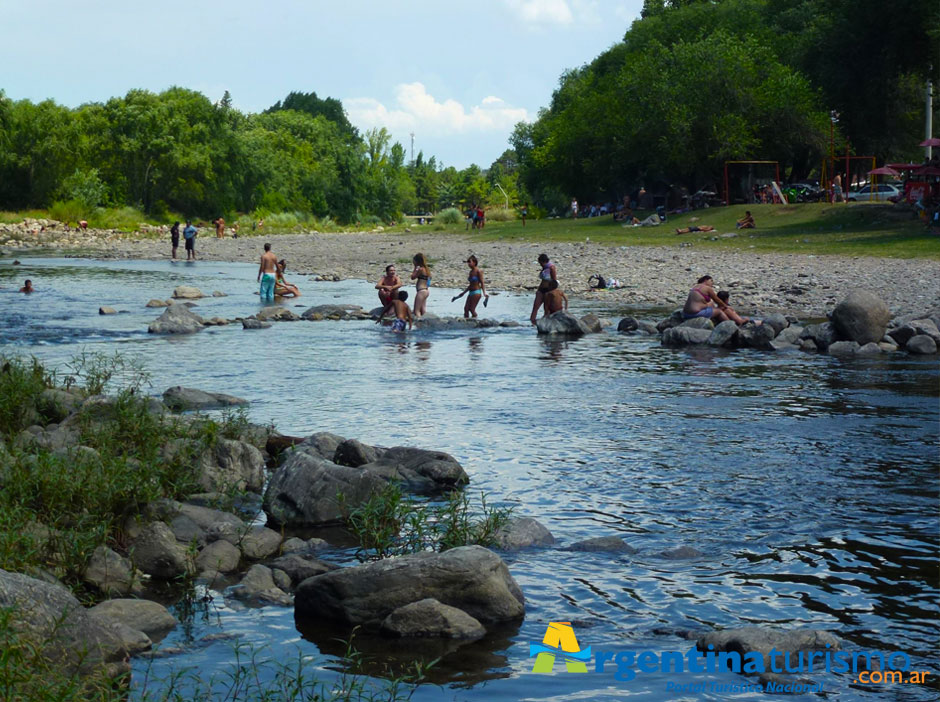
457, 74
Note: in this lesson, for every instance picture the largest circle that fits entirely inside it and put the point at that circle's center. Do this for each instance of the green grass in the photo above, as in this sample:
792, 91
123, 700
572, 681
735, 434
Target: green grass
855, 229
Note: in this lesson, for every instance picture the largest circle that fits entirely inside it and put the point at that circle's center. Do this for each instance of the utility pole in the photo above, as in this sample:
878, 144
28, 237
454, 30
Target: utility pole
412, 147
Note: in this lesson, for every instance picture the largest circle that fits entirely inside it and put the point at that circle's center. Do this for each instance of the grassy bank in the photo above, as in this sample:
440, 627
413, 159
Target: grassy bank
856, 229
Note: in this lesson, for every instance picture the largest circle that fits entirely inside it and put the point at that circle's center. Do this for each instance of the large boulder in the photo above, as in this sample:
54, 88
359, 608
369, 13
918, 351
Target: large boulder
157, 553
180, 399
685, 336
698, 323
862, 316
561, 324
304, 491
300, 567
149, 617
429, 618
177, 319
470, 578
843, 348
49, 615
318, 312
673, 320
762, 640
627, 324
111, 573
354, 453
229, 465
421, 470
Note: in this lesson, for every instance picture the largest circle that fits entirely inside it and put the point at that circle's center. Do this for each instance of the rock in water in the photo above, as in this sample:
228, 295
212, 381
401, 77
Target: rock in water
685, 336
523, 532
470, 578
179, 398
177, 319
561, 324
430, 618
862, 316
186, 292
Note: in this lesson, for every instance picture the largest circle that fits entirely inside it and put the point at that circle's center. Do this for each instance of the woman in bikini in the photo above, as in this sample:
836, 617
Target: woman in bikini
281, 287
422, 277
700, 302
546, 276
476, 288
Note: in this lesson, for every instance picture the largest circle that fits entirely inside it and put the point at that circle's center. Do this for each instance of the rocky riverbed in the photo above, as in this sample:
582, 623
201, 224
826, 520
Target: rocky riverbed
805, 286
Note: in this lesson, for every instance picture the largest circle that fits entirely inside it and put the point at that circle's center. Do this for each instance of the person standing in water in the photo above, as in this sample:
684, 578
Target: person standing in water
174, 238
267, 274
476, 289
28, 287
422, 277
189, 234
546, 276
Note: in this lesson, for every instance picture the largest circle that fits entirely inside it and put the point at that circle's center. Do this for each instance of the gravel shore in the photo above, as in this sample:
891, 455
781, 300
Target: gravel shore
805, 286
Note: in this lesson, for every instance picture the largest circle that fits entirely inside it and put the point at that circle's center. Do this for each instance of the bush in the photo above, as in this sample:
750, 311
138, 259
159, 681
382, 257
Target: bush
450, 216
67, 211
391, 524
21, 384
500, 214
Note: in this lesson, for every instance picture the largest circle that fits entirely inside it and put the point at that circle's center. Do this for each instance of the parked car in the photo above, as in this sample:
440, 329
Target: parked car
883, 192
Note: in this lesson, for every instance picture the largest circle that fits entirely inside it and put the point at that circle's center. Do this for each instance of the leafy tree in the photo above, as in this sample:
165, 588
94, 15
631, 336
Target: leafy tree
331, 108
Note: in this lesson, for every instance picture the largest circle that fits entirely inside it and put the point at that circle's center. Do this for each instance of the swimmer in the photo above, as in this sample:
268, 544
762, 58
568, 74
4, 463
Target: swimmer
546, 276
28, 287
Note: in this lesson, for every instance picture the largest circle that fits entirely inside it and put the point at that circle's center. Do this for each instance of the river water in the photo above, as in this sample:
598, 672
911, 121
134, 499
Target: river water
808, 483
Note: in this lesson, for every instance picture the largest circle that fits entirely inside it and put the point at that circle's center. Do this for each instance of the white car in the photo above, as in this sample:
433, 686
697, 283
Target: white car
881, 193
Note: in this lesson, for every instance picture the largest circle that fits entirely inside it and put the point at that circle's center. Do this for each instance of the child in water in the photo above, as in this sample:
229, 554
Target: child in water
402, 312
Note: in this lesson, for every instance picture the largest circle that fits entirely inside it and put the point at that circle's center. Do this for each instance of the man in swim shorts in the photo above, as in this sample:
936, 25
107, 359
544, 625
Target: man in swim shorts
267, 274
402, 312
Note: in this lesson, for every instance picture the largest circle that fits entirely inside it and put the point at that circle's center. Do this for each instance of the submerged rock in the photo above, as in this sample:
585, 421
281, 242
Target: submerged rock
602, 544
762, 641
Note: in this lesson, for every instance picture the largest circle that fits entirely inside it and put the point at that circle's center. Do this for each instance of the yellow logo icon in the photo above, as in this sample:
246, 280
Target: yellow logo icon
559, 635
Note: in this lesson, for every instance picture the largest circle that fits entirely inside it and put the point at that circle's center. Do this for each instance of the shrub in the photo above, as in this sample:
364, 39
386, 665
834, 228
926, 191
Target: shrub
500, 214
450, 216
391, 524
67, 211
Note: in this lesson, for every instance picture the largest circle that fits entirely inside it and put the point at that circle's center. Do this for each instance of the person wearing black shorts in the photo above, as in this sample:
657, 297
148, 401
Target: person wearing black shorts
189, 234
175, 237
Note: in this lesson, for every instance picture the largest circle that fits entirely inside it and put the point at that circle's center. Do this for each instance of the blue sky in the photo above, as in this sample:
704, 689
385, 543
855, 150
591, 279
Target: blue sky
457, 74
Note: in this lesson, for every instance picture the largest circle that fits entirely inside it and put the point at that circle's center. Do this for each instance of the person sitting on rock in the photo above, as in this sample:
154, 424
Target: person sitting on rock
281, 287
746, 222
555, 299
724, 295
703, 301
693, 228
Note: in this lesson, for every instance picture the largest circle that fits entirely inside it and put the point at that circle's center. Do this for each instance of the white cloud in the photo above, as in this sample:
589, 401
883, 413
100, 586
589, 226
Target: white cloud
542, 11
416, 109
